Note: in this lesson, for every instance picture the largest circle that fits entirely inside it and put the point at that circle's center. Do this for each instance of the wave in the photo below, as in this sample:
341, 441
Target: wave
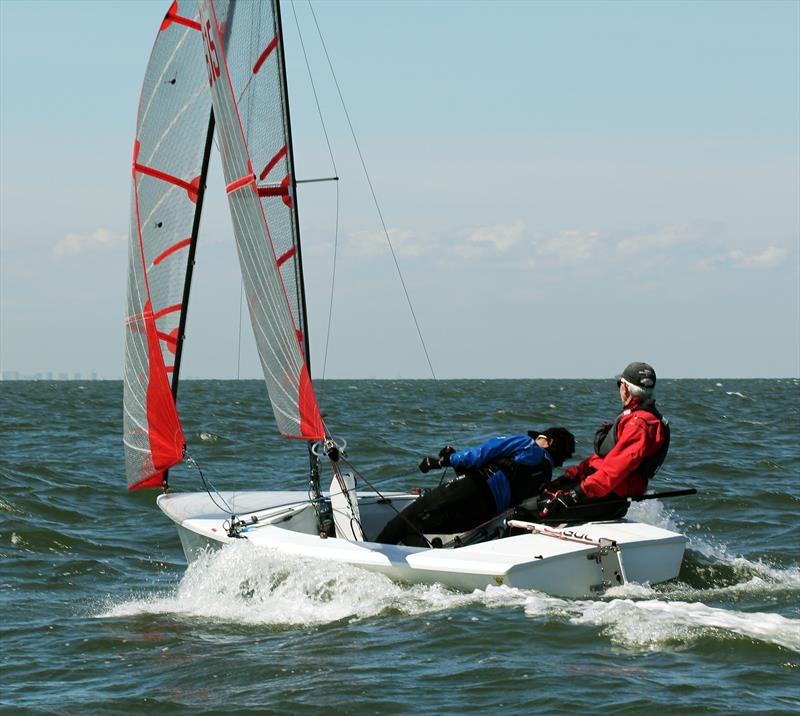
246, 584
710, 569
249, 585
654, 623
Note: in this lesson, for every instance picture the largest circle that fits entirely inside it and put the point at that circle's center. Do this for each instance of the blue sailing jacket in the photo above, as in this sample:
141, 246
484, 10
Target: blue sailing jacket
519, 449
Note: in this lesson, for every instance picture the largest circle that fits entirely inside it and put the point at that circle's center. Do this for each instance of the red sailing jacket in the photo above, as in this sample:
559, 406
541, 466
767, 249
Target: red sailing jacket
639, 435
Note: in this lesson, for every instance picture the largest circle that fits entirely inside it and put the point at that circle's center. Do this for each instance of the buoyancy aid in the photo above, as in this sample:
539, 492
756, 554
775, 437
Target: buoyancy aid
606, 438
524, 481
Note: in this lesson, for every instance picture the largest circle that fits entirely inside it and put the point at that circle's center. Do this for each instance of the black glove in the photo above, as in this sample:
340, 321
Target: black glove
561, 501
437, 463
430, 463
444, 455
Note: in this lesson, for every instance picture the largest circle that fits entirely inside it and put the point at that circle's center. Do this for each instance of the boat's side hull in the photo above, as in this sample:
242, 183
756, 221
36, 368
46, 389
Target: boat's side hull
567, 564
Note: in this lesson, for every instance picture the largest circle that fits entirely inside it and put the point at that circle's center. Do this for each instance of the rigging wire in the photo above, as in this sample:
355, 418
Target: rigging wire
209, 486
239, 351
372, 191
335, 173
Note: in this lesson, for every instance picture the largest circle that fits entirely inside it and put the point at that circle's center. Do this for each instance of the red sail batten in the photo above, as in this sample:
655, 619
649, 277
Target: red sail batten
262, 58
239, 183
191, 188
172, 16
272, 191
281, 191
285, 257
171, 250
167, 310
272, 162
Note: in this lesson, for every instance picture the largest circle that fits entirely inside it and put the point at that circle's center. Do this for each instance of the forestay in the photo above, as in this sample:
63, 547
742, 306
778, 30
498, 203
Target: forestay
246, 79
171, 130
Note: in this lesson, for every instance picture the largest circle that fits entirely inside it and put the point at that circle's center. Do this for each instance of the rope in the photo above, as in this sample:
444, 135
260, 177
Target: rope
466, 535
387, 501
374, 197
343, 487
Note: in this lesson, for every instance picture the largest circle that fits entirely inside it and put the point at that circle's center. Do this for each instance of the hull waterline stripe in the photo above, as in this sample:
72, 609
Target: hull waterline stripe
167, 310
272, 162
263, 56
239, 183
284, 258
171, 250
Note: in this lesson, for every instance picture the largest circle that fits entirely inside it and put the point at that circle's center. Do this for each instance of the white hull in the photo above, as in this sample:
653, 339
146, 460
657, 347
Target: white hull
572, 562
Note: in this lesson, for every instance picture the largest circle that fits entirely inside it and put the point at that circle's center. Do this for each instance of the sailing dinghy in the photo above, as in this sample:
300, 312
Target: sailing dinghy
217, 69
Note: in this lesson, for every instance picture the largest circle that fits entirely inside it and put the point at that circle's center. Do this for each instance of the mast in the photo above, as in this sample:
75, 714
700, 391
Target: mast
313, 462
201, 190
187, 285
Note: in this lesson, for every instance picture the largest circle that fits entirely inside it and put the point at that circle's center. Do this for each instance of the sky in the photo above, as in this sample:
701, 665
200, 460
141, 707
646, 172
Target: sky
568, 187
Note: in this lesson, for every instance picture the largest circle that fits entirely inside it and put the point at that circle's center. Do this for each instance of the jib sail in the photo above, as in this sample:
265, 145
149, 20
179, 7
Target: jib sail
173, 131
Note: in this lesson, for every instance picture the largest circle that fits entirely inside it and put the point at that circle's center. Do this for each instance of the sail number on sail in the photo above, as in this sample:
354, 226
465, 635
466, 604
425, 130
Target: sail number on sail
212, 58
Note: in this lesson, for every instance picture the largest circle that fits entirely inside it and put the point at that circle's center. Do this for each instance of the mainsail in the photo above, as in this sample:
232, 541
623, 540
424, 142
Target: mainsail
170, 156
248, 93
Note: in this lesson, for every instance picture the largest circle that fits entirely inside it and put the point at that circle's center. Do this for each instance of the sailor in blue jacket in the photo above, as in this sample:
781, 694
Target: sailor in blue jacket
493, 477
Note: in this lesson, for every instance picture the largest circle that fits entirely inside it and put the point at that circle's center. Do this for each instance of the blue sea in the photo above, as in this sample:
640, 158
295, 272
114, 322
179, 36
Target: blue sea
101, 615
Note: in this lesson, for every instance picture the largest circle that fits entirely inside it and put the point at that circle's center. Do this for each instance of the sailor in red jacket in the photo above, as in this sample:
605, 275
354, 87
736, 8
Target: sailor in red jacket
626, 455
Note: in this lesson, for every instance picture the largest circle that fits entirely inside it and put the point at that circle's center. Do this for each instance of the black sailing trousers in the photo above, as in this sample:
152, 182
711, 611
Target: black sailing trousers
456, 506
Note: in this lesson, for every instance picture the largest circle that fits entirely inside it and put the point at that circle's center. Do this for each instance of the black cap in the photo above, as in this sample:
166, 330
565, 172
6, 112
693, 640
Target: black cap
562, 443
639, 374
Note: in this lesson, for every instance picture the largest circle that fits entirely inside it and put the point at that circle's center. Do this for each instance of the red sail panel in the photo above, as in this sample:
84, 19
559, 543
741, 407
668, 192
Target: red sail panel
263, 233
171, 128
164, 430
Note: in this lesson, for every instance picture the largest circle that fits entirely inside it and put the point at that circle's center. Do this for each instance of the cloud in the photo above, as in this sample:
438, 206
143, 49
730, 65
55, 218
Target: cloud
515, 246
770, 257
373, 243
74, 244
571, 246
488, 240
475, 243
667, 237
